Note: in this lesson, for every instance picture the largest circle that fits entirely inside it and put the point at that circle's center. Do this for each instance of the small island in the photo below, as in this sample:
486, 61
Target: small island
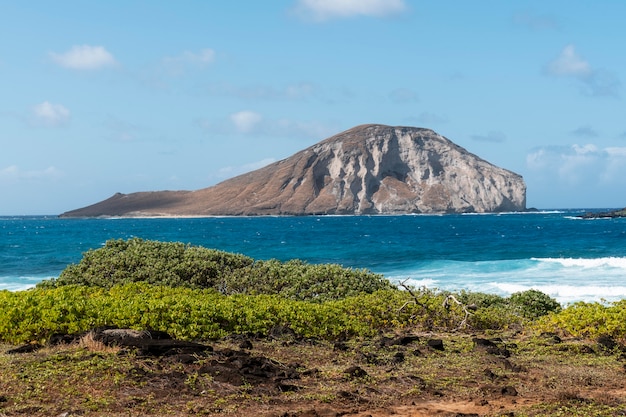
605, 214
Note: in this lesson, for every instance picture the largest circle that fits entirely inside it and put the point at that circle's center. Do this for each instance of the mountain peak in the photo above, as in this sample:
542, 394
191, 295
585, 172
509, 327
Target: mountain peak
368, 169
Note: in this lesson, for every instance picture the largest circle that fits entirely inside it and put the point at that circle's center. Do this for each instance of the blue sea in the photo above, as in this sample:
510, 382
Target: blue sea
556, 252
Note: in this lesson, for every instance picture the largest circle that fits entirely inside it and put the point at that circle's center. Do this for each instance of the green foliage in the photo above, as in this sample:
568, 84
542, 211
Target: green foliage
179, 265
589, 320
186, 313
533, 304
298, 280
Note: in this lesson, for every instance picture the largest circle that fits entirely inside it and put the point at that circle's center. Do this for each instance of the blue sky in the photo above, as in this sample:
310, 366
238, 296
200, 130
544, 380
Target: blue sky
123, 96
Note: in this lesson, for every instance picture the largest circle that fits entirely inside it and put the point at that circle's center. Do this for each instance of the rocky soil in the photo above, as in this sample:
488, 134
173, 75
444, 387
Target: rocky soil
117, 372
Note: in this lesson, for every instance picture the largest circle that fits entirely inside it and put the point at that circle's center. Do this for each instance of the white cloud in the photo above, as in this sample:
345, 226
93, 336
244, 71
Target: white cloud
245, 121
252, 123
569, 63
580, 164
14, 174
322, 10
84, 57
50, 115
595, 82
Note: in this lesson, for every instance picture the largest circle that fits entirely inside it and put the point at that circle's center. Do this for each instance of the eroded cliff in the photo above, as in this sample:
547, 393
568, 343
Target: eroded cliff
369, 169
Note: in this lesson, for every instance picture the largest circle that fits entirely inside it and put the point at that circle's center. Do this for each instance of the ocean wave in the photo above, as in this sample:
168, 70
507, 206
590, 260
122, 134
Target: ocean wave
565, 293
612, 262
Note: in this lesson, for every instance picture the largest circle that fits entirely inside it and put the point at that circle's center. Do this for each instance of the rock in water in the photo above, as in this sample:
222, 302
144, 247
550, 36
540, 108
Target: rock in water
369, 169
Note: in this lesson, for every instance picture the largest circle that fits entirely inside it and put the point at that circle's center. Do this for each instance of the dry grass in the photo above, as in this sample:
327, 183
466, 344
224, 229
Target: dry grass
89, 342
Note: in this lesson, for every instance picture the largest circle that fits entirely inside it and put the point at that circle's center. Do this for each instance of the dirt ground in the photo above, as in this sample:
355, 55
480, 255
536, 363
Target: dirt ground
282, 375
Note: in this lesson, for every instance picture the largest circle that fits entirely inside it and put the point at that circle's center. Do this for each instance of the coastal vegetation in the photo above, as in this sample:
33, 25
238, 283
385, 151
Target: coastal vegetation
331, 337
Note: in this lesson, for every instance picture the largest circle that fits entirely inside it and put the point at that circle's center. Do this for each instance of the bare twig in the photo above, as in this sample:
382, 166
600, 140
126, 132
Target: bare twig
466, 309
412, 294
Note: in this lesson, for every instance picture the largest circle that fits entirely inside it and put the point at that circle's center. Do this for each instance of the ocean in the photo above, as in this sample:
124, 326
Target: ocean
556, 252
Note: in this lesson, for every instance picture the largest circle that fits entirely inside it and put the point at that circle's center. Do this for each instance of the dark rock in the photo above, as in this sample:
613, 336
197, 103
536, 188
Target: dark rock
282, 387
385, 341
508, 365
509, 390
491, 347
436, 344
355, 372
27, 348
246, 344
407, 340
64, 339
551, 338
483, 342
370, 358
398, 357
148, 343
606, 343
340, 346
489, 374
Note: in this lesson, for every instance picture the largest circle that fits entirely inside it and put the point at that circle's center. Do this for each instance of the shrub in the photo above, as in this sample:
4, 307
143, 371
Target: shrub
175, 264
533, 304
590, 320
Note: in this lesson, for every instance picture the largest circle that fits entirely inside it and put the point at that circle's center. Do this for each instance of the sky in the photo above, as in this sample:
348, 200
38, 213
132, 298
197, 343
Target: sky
100, 97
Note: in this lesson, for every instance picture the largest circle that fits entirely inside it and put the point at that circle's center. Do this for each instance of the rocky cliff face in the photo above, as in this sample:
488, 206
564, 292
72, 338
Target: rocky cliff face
370, 169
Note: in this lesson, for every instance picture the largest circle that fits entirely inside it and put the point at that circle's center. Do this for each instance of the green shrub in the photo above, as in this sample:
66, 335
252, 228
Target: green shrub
186, 313
178, 265
588, 320
533, 304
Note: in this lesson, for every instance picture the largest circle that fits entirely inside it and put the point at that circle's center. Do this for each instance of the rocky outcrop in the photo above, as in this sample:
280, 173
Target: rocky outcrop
614, 214
370, 169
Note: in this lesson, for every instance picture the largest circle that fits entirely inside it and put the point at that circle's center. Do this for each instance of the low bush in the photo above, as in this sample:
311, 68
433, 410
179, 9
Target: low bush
186, 313
588, 320
175, 264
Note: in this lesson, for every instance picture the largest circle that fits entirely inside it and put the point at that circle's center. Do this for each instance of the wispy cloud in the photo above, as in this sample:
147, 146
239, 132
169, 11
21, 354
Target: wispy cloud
245, 121
324, 10
427, 119
493, 136
176, 65
248, 122
585, 132
84, 57
535, 21
121, 130
297, 91
14, 174
580, 164
48, 114
595, 82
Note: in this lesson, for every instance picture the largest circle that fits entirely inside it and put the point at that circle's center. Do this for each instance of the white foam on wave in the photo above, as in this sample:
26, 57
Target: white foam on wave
20, 283
612, 262
569, 293
565, 279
